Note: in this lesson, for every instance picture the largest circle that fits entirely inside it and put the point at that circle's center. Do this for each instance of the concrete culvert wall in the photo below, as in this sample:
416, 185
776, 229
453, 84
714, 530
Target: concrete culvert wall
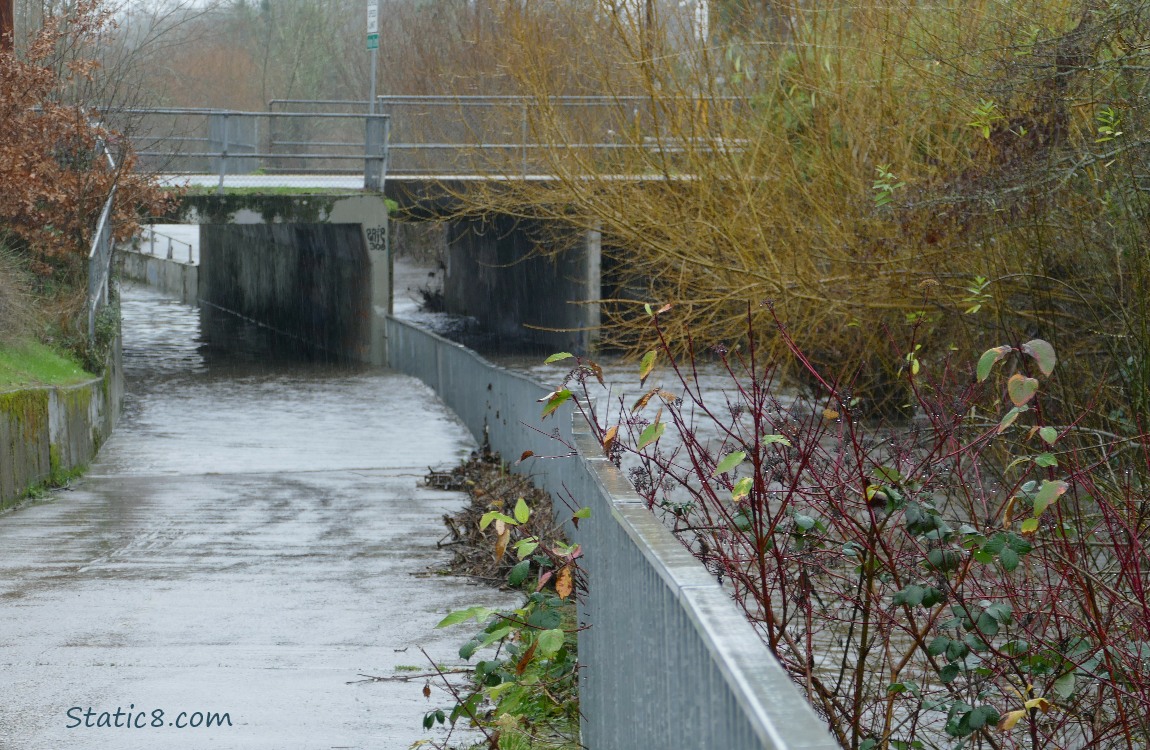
500, 272
311, 282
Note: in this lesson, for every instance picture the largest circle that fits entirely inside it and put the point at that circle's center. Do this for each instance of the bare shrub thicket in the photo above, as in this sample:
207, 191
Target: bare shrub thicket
973, 168
974, 578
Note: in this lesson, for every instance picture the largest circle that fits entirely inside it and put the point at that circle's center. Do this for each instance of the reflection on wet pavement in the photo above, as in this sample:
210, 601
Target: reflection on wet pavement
253, 537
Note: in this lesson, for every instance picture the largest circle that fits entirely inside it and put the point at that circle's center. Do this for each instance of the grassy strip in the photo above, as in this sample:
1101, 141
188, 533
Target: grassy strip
30, 363
270, 190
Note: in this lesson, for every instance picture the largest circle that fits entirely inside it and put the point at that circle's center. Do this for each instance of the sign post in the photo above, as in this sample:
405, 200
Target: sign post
372, 46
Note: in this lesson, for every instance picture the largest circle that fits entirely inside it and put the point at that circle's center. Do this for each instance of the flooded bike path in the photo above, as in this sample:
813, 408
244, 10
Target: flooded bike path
254, 536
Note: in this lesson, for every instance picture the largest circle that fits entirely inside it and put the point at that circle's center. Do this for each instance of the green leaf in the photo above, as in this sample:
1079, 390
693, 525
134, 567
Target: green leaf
887, 475
988, 360
1021, 389
742, 489
943, 560
467, 650
1043, 354
1047, 494
558, 358
549, 642
948, 673
462, 615
938, 646
525, 547
768, 439
729, 462
522, 512
1064, 686
982, 556
1010, 417
1009, 559
995, 544
932, 597
981, 716
1029, 526
911, 595
494, 515
956, 650
497, 634
1016, 647
554, 401
519, 573
653, 432
583, 512
1045, 460
804, 522
904, 687
646, 366
1048, 435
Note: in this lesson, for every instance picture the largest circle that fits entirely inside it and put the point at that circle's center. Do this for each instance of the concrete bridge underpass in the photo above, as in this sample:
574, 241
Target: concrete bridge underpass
294, 220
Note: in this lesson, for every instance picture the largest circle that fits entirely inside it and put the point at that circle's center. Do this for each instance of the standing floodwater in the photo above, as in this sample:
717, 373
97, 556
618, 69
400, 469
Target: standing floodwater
252, 538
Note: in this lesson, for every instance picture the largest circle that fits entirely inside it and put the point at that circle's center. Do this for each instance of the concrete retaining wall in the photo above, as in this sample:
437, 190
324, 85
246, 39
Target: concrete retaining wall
47, 431
524, 284
311, 282
177, 280
669, 660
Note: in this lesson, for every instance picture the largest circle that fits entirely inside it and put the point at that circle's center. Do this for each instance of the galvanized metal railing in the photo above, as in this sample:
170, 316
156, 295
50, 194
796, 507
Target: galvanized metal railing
150, 236
518, 136
668, 660
240, 148
463, 135
100, 255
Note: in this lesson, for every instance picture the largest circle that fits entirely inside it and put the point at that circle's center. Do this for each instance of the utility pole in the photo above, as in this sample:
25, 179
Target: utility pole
7, 24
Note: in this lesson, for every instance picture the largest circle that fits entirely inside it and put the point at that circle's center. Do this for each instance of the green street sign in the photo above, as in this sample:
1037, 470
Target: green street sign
373, 41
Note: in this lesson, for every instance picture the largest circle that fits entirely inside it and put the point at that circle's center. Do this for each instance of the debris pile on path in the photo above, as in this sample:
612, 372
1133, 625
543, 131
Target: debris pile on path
489, 486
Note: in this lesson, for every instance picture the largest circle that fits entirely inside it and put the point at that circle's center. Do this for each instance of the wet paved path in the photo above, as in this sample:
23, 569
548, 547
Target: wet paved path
252, 537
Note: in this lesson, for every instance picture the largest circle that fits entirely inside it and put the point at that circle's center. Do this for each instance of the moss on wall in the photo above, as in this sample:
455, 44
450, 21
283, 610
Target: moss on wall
311, 208
32, 458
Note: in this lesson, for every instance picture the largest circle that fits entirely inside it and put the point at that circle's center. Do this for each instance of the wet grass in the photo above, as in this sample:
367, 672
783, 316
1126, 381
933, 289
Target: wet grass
30, 363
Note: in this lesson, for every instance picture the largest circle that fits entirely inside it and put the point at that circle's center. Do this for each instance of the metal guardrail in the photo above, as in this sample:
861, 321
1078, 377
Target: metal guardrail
149, 236
433, 136
245, 148
451, 136
501, 135
100, 255
668, 660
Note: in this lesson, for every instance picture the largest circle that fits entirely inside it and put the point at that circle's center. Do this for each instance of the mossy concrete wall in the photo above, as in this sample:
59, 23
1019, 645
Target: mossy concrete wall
49, 432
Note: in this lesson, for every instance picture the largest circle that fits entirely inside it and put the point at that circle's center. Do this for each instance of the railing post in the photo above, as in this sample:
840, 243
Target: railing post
223, 155
523, 136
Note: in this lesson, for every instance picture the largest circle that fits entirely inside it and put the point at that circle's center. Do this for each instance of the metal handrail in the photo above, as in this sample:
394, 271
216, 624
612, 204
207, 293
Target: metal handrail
151, 238
100, 254
274, 146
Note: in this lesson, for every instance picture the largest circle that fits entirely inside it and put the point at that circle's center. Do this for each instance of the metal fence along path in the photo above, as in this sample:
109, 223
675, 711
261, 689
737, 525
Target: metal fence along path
668, 659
